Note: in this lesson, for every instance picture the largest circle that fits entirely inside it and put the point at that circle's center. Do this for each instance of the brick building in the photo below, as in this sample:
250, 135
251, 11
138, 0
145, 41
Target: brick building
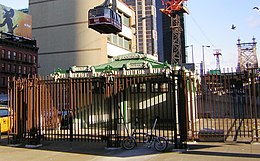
19, 57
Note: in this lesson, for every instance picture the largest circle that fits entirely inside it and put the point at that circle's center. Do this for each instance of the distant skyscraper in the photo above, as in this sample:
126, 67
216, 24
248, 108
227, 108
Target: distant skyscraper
146, 27
160, 30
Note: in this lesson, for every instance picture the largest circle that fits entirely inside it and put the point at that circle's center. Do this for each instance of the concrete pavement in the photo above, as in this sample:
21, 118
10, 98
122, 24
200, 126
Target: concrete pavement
83, 151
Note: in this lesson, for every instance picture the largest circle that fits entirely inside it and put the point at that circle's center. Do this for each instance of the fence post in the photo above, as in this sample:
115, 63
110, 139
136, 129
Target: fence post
71, 127
253, 79
182, 109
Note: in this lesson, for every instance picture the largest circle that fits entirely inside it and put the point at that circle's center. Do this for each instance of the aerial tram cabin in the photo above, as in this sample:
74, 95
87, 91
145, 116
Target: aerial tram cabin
104, 20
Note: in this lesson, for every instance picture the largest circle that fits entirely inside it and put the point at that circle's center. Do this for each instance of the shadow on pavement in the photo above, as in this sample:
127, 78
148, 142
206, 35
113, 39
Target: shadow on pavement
225, 150
101, 149
224, 154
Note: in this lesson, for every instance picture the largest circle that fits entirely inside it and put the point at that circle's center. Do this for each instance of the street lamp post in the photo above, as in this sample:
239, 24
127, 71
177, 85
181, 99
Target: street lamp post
203, 46
136, 27
191, 52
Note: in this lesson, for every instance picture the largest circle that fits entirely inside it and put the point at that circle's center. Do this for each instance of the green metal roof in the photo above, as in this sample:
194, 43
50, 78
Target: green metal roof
132, 59
127, 61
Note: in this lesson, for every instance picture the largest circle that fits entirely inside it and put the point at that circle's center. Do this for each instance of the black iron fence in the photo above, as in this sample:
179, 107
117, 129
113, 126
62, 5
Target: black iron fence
219, 107
97, 109
228, 107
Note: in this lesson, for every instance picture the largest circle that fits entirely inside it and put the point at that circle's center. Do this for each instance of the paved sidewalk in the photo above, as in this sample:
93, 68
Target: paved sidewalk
83, 151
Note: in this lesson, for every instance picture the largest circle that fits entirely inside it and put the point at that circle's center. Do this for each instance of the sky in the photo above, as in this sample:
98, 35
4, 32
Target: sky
209, 24
15, 4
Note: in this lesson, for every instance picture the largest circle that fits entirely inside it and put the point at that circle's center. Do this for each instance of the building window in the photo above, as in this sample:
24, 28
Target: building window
14, 55
3, 53
24, 70
20, 56
148, 24
114, 39
34, 59
20, 69
126, 20
3, 67
14, 68
9, 54
9, 67
25, 57
30, 59
120, 41
30, 70
127, 44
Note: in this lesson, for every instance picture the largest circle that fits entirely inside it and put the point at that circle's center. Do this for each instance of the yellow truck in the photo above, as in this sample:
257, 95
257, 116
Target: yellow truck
5, 119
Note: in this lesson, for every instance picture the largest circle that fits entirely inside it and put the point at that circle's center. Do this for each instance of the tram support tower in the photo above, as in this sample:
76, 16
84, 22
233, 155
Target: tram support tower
247, 57
174, 8
176, 56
